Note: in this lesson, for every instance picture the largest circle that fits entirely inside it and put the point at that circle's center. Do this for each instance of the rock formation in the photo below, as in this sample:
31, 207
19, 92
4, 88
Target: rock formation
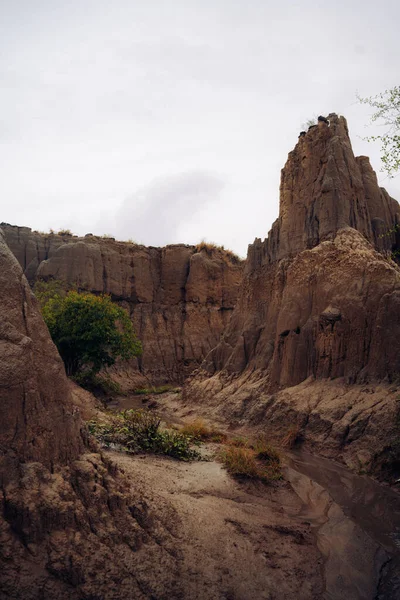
70, 527
320, 298
180, 298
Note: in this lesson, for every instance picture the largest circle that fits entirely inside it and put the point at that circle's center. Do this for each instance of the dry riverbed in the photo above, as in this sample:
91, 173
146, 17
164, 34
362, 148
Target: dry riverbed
290, 539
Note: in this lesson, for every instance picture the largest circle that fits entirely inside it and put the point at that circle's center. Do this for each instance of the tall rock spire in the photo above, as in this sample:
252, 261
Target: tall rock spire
317, 298
324, 188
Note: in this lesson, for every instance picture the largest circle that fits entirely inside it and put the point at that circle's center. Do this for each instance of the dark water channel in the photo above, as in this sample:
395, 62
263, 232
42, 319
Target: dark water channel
357, 526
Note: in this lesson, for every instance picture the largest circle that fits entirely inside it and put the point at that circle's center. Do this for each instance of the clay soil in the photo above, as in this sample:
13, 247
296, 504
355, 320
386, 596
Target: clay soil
245, 540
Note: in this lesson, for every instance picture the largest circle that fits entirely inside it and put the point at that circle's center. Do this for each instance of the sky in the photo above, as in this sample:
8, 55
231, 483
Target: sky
167, 121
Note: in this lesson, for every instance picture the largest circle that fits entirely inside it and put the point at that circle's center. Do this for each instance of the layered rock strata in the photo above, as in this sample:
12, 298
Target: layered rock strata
70, 526
180, 298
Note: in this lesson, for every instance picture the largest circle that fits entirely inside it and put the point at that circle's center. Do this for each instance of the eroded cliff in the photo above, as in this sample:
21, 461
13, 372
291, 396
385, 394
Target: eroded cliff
180, 297
70, 525
320, 300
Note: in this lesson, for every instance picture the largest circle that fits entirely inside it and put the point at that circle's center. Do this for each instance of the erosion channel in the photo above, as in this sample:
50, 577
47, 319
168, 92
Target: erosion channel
322, 532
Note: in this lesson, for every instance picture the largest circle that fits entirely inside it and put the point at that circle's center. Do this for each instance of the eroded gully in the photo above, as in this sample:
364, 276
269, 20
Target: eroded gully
356, 520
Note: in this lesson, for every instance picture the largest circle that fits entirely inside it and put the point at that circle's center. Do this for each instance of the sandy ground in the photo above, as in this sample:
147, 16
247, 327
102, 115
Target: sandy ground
235, 540
290, 540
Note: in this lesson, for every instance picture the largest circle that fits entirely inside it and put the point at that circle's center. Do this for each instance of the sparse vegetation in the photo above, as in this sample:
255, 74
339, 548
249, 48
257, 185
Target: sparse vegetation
210, 248
264, 450
238, 442
199, 431
387, 113
310, 123
139, 431
64, 232
292, 438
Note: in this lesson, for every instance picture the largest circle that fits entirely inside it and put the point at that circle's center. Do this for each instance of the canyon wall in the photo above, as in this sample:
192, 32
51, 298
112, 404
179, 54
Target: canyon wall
180, 297
70, 525
320, 296
318, 309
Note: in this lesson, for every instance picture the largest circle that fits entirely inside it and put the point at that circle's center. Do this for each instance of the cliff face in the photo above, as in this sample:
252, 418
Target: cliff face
318, 310
70, 526
317, 298
180, 300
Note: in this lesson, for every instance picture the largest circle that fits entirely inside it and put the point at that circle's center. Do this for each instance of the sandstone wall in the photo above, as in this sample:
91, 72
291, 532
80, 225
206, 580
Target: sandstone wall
180, 300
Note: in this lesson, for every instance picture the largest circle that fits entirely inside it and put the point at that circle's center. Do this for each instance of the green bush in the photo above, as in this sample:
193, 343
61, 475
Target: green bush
139, 431
90, 332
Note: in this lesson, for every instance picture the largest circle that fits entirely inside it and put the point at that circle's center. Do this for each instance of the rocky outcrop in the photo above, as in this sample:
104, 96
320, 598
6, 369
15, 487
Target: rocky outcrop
180, 298
320, 297
324, 188
70, 526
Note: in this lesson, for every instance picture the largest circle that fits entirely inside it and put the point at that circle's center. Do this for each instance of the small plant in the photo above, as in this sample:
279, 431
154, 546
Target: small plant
139, 431
65, 232
198, 430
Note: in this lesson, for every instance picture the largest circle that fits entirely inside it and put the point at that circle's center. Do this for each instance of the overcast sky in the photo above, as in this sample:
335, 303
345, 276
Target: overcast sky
168, 121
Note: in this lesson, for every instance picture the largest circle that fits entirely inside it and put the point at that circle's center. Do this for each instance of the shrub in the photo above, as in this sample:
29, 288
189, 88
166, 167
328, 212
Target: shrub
260, 462
139, 431
90, 331
199, 431
65, 232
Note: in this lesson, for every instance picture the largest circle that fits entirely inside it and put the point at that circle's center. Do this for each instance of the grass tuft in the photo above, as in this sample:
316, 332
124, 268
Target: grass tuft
252, 460
198, 430
210, 248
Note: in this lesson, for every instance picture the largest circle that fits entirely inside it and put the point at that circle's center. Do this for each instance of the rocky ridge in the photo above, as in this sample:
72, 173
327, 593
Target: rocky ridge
180, 297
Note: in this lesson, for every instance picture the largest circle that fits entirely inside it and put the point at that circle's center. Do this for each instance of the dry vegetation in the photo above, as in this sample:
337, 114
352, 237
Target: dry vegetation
211, 249
292, 438
199, 431
255, 459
